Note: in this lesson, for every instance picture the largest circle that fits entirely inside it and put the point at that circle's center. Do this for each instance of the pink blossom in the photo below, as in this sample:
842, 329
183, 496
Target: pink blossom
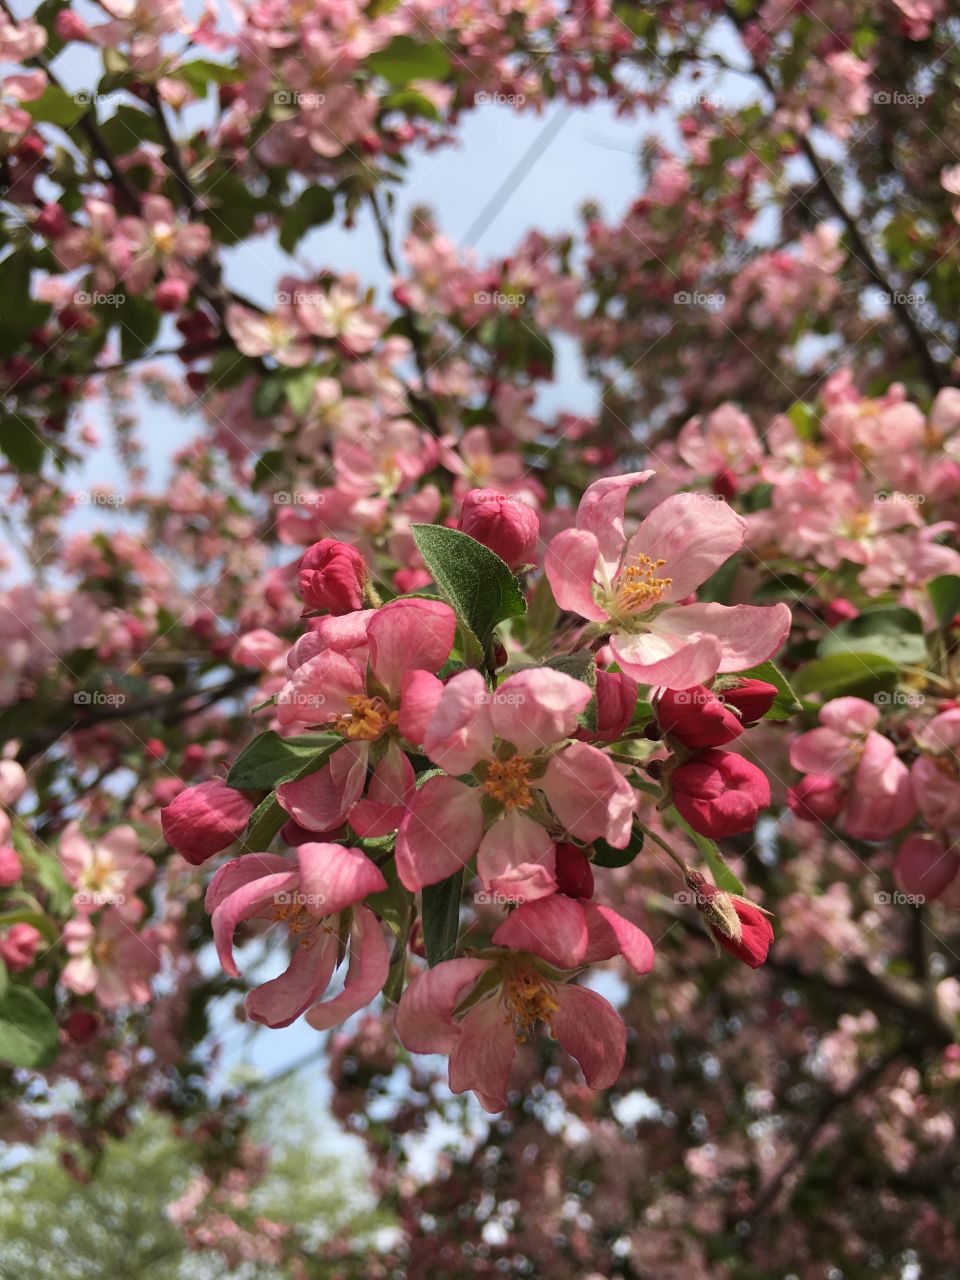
110, 958
926, 866
105, 873
636, 587
18, 946
935, 776
307, 895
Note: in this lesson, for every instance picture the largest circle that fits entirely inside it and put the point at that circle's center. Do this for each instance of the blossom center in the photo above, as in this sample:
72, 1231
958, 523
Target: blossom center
298, 920
507, 782
529, 999
639, 584
367, 719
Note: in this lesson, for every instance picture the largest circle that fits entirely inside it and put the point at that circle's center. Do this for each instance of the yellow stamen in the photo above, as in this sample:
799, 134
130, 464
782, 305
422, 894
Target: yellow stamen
507, 782
639, 586
528, 999
368, 718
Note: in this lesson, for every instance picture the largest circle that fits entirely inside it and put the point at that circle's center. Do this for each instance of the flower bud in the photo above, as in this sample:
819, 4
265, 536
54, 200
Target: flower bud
816, 798
573, 872
925, 867
697, 717
752, 698
719, 793
331, 576
204, 819
616, 701
171, 295
509, 527
11, 868
18, 946
738, 926
51, 221
13, 782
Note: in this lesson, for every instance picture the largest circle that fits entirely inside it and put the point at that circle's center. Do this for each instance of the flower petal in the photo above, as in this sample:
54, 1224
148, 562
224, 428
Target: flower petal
333, 877
552, 928
483, 1055
611, 934
424, 1020
592, 1031
517, 858
322, 800
408, 635
673, 661
460, 731
369, 967
571, 567
440, 833
281, 1001
536, 708
693, 534
589, 794
601, 513
748, 634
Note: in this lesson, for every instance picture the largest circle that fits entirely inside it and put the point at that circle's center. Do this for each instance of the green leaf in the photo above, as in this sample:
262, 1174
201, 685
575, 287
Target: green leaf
785, 705
268, 467
473, 580
270, 760
894, 633
139, 322
265, 821
944, 592
19, 313
440, 918
313, 208
28, 1030
200, 73
838, 673
20, 444
413, 103
395, 906
127, 128
299, 387
605, 855
56, 106
405, 59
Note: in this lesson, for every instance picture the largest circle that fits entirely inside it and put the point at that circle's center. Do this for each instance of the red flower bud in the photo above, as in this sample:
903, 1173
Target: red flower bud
171, 295
816, 798
739, 927
509, 527
697, 717
11, 868
19, 945
839, 610
331, 576
752, 698
573, 871
719, 793
925, 866
204, 819
82, 1026
51, 221
616, 700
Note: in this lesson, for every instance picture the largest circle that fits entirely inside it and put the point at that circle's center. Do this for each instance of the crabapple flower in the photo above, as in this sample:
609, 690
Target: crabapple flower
875, 784
719, 793
508, 526
521, 788
926, 865
109, 958
205, 819
507, 998
935, 775
738, 926
697, 718
11, 868
307, 895
331, 576
750, 698
409, 641
13, 782
106, 873
616, 702
636, 587
18, 946
816, 797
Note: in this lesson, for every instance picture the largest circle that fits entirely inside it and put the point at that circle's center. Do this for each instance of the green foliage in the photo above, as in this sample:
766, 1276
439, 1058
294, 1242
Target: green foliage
28, 1029
270, 760
405, 59
440, 918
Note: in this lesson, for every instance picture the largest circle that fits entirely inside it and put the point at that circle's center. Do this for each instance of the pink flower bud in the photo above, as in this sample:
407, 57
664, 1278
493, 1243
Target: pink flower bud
171, 295
616, 700
924, 866
331, 576
13, 782
509, 527
816, 798
752, 698
51, 221
82, 1026
738, 926
204, 819
697, 717
70, 26
573, 872
18, 946
839, 610
11, 868
719, 793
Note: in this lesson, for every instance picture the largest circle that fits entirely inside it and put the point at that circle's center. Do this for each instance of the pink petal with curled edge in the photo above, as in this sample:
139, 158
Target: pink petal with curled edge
748, 634
571, 568
281, 1001
240, 871
517, 858
318, 690
425, 1021
247, 900
392, 784
420, 691
825, 751
408, 635
483, 1055
611, 934
601, 513
322, 800
440, 833
369, 967
592, 1032
536, 708
850, 716
460, 731
590, 795
693, 534
552, 928
673, 661
333, 877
